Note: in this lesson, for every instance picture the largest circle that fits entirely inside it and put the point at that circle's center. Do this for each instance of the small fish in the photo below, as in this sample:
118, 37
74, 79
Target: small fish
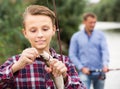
59, 82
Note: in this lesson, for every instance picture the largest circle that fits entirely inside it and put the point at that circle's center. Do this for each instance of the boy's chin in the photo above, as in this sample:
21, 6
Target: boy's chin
40, 47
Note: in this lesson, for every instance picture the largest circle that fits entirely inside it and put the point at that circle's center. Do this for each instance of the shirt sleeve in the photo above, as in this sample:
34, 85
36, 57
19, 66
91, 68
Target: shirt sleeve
73, 81
6, 75
105, 51
73, 52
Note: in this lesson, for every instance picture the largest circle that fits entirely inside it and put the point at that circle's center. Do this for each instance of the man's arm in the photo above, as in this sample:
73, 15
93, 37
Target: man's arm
73, 52
105, 53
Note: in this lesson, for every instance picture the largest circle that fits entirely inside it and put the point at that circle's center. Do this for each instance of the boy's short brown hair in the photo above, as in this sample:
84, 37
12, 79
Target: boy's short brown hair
39, 10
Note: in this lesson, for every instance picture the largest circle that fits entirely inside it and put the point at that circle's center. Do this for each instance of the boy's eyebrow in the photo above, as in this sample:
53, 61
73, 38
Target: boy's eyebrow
45, 26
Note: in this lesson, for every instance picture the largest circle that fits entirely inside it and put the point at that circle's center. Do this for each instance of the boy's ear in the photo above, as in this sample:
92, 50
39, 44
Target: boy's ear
24, 33
54, 29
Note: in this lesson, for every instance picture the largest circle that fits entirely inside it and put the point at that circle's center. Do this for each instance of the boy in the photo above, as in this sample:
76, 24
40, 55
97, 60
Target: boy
27, 70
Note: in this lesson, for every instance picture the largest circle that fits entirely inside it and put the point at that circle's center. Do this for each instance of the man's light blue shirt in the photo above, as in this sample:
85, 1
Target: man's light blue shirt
89, 51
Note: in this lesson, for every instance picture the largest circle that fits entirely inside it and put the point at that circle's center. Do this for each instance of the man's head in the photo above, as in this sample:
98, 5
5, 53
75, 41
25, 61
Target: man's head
89, 19
39, 26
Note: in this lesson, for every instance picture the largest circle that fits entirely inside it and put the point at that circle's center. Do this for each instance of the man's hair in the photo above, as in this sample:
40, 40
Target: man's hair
89, 14
38, 10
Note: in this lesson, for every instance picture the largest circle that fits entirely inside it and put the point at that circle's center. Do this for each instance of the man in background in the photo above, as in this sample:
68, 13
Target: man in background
89, 52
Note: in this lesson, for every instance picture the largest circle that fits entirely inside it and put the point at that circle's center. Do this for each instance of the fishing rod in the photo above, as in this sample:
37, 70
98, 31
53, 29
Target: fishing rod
100, 70
114, 69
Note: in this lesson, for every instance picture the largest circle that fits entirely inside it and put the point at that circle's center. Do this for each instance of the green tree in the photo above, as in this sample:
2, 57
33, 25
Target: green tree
68, 13
12, 40
107, 10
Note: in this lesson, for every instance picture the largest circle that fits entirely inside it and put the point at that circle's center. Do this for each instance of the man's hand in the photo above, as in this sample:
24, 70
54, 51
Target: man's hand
105, 69
27, 57
85, 70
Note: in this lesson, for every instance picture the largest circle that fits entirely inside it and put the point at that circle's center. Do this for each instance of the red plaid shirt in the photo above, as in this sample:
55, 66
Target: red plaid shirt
34, 76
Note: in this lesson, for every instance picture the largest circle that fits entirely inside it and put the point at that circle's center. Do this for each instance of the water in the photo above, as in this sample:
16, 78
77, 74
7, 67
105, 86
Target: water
113, 39
113, 77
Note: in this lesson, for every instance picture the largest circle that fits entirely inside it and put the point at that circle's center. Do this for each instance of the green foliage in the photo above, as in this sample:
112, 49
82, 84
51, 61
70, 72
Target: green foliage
12, 40
68, 13
107, 10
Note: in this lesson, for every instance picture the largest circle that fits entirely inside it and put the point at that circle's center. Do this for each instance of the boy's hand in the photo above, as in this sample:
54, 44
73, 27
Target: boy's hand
27, 57
57, 68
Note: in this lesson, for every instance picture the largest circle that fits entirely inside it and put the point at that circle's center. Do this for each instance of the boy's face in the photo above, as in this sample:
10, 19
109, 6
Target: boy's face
39, 31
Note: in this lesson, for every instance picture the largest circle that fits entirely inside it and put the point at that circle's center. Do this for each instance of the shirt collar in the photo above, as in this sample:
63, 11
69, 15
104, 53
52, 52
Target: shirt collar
86, 32
53, 53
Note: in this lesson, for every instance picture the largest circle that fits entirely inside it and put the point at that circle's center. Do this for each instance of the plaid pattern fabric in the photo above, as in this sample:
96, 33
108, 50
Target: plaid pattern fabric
34, 76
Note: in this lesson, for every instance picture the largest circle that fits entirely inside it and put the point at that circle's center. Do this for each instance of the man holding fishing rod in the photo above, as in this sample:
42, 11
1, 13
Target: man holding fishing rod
39, 66
89, 52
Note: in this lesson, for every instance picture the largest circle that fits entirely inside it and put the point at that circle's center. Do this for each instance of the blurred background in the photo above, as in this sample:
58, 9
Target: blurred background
69, 14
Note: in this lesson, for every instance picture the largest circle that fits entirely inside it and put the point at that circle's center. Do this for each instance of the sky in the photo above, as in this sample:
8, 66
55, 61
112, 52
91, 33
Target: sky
94, 1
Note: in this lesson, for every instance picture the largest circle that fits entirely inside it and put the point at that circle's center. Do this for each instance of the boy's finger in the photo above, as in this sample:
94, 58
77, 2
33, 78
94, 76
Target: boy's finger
48, 69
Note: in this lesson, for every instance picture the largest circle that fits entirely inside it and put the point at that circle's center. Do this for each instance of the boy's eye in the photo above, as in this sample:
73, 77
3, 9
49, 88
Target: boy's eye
33, 30
45, 29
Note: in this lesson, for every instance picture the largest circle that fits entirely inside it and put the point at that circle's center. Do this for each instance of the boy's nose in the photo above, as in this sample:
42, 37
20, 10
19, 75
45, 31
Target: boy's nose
40, 33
